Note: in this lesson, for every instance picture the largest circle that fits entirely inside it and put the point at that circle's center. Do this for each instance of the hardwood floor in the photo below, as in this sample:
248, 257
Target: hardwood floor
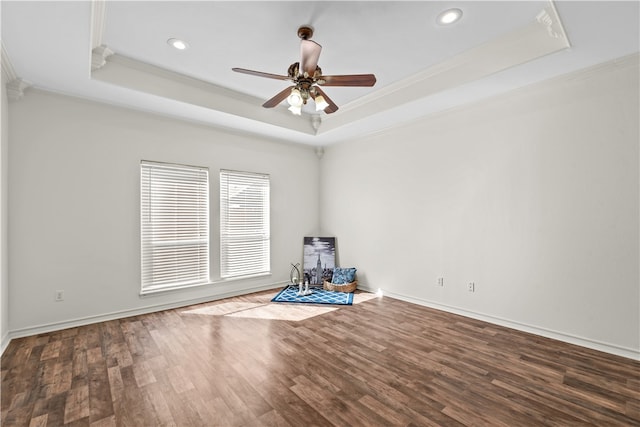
381, 362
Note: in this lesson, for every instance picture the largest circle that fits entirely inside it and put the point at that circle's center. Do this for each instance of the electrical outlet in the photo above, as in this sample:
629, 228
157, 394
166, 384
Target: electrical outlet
471, 287
440, 281
59, 295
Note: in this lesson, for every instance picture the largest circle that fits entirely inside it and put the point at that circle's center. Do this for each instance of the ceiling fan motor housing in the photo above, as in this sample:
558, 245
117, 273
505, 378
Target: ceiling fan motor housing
305, 32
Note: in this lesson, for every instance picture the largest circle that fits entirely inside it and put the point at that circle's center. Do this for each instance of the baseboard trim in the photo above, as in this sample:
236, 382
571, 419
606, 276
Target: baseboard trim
568, 338
4, 343
82, 321
629, 353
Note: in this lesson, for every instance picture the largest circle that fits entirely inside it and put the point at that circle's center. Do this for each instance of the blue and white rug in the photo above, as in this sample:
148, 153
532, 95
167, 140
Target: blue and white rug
319, 296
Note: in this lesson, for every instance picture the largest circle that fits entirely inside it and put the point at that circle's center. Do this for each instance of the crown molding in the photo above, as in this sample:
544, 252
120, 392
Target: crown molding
99, 51
551, 84
140, 76
7, 66
16, 88
97, 22
543, 35
520, 46
549, 18
126, 72
99, 57
15, 85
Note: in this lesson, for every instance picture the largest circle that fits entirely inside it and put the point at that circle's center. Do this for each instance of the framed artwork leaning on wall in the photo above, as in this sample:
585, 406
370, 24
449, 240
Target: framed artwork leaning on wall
319, 259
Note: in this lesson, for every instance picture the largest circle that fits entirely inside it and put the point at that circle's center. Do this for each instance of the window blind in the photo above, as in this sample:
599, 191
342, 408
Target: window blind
244, 224
174, 225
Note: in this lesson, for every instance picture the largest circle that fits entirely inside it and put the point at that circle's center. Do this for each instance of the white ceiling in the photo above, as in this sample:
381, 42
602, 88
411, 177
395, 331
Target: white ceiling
421, 67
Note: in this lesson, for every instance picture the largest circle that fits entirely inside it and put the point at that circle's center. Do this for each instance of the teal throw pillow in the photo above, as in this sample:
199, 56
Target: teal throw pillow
342, 276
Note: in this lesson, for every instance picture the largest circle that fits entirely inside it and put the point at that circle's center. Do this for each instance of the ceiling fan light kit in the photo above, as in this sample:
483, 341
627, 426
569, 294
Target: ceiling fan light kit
307, 78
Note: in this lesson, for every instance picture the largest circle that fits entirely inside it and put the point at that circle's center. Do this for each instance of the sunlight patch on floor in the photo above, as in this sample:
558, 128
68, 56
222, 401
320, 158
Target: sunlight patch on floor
224, 308
363, 296
280, 311
273, 311
252, 310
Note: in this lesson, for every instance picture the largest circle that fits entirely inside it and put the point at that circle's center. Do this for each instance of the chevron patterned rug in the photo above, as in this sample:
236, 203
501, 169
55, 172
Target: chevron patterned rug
319, 296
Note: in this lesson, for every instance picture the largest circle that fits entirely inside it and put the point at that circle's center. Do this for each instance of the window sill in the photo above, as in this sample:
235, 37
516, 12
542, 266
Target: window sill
152, 292
236, 278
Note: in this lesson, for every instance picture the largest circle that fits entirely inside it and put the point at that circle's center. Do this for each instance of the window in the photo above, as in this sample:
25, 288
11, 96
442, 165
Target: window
244, 224
174, 207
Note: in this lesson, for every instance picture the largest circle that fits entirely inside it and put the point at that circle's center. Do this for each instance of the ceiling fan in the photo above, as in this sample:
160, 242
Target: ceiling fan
307, 78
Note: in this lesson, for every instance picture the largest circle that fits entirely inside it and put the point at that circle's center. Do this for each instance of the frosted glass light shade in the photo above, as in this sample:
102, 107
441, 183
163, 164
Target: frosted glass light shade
296, 110
295, 99
321, 104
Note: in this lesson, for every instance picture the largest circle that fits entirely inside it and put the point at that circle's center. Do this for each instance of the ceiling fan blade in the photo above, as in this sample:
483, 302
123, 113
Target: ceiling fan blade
260, 74
278, 98
309, 55
332, 108
349, 80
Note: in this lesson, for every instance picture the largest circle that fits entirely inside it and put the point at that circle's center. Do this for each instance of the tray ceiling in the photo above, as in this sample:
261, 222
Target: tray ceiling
116, 52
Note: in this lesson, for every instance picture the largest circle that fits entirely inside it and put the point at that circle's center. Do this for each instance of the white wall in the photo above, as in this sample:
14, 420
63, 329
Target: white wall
532, 195
74, 206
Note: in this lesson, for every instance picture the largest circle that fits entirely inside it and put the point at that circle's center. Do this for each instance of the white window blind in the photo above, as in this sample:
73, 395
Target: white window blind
244, 224
174, 210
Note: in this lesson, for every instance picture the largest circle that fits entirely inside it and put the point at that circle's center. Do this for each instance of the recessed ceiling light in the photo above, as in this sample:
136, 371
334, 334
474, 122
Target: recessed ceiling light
178, 44
449, 16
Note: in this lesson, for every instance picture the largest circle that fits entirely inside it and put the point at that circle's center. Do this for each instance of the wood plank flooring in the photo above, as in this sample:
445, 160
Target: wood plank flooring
382, 362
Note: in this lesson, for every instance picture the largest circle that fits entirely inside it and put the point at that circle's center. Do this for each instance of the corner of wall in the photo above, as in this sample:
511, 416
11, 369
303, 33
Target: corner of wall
4, 143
